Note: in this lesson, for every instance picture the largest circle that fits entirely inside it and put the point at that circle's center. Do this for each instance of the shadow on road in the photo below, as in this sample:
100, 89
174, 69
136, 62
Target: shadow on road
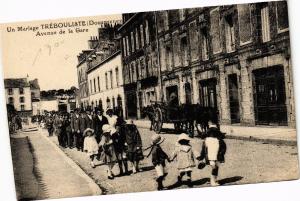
230, 180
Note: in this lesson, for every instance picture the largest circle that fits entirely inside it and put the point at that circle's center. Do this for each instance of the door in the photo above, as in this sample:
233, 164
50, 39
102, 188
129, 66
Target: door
207, 92
208, 98
131, 102
270, 96
188, 93
234, 98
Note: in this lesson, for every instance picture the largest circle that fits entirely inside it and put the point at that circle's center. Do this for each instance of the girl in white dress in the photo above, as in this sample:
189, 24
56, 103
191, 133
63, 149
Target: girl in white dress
90, 145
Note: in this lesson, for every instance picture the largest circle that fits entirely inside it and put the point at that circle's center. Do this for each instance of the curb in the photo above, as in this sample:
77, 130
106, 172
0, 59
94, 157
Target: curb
94, 187
252, 139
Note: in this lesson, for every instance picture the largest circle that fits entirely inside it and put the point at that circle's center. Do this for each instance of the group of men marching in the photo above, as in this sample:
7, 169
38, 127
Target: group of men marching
69, 127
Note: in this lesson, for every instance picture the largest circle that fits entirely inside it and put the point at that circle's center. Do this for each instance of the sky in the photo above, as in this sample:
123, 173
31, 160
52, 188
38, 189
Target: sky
52, 59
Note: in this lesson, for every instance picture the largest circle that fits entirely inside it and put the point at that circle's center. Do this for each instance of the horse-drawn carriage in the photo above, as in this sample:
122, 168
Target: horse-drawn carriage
185, 117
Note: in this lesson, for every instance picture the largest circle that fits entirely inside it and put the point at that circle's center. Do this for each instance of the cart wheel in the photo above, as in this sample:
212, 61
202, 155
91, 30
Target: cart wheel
158, 120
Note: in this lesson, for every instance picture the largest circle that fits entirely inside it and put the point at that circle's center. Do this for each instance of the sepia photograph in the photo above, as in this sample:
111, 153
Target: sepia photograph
150, 101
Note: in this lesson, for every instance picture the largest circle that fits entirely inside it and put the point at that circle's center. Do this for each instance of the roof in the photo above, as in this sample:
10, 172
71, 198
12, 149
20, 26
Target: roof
16, 83
34, 84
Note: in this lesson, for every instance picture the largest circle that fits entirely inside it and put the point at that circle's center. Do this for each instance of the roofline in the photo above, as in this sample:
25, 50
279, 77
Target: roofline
104, 61
125, 24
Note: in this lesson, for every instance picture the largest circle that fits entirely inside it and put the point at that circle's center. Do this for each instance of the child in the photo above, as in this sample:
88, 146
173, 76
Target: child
158, 159
185, 158
90, 145
213, 151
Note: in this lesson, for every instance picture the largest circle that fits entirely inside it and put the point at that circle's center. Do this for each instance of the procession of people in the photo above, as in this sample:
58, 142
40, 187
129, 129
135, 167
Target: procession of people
109, 140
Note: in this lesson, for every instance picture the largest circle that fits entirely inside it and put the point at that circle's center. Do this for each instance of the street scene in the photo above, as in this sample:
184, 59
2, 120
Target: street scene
246, 162
161, 100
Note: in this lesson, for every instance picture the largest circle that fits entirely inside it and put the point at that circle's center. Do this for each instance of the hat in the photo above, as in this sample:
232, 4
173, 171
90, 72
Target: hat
109, 110
157, 139
88, 130
106, 128
183, 136
213, 132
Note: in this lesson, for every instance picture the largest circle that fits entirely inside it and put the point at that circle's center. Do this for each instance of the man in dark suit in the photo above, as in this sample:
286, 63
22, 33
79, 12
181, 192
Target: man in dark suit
99, 121
75, 126
89, 120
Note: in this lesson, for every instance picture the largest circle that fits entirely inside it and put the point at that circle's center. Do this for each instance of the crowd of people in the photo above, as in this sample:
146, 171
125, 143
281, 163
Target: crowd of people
110, 139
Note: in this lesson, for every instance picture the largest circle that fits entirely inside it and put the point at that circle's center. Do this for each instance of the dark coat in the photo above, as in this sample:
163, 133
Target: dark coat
98, 124
82, 123
89, 122
159, 157
75, 124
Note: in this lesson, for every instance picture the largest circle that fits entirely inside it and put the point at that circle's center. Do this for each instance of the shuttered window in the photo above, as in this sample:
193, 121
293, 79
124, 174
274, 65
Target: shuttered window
162, 49
265, 24
176, 48
245, 28
194, 40
215, 30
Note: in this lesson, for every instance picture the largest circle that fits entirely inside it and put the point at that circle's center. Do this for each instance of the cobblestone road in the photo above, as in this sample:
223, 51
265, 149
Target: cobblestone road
246, 162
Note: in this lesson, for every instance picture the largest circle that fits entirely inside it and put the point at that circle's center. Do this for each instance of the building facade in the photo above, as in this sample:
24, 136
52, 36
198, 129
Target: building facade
106, 84
235, 59
140, 61
18, 94
83, 90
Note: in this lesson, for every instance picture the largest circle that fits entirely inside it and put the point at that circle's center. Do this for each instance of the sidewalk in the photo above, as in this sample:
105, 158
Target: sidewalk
261, 133
58, 176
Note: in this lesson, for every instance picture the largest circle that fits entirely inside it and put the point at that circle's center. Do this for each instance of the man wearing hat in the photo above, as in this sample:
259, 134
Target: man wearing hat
99, 121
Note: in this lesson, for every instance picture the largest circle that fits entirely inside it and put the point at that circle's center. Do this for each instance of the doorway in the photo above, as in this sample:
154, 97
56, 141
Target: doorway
270, 96
234, 98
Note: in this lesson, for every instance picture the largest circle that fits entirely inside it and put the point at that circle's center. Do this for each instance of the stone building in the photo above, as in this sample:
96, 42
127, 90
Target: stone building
18, 94
140, 61
100, 73
83, 90
233, 58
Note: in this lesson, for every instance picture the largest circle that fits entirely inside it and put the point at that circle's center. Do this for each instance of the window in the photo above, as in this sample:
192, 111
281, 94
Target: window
117, 76
132, 79
137, 43
22, 107
127, 46
106, 81
169, 57
265, 24
176, 48
282, 16
111, 79
215, 30
91, 86
21, 90
147, 32
194, 40
108, 105
142, 35
162, 50
124, 47
184, 51
99, 89
132, 41
229, 34
22, 99
245, 27
10, 91
11, 100
95, 85
204, 39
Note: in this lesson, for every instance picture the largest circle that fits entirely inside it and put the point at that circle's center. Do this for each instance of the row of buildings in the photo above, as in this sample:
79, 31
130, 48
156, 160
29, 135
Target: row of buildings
24, 97
233, 58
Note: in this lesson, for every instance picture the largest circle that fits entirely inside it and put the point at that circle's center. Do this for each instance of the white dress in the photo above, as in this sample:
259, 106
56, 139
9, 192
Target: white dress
90, 145
112, 121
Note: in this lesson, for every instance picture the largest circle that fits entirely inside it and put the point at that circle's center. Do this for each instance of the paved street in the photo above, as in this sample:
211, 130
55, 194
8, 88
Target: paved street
246, 162
42, 171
